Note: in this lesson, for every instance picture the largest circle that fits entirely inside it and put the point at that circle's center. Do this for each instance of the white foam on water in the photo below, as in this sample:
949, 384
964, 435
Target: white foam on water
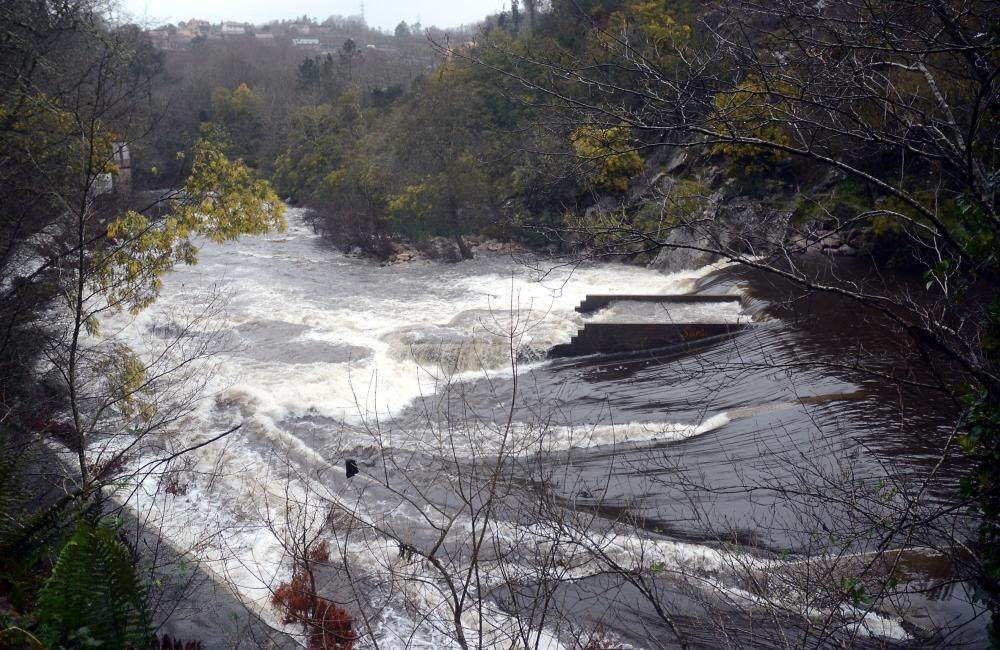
521, 439
631, 432
471, 305
242, 523
634, 311
874, 624
241, 510
861, 622
379, 310
247, 494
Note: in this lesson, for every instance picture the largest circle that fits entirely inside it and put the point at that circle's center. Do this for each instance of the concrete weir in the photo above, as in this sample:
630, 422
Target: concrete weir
593, 303
621, 338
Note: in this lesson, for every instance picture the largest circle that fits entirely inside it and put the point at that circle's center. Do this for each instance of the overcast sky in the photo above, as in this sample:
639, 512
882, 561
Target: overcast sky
385, 14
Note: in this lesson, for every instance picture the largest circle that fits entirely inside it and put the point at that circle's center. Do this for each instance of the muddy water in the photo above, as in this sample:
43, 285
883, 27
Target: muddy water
426, 374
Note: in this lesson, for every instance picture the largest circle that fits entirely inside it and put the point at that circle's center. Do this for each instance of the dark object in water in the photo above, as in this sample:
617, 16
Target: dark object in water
352, 467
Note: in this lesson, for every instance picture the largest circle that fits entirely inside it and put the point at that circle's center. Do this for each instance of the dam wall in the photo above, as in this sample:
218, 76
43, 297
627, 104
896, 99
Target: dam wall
623, 338
596, 302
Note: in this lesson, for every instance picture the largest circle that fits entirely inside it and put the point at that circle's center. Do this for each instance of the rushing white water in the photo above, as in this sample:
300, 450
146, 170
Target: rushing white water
631, 311
317, 352
320, 333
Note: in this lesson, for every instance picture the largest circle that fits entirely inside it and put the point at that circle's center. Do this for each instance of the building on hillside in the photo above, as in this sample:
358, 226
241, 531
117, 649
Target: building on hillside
195, 26
121, 180
233, 29
161, 38
306, 42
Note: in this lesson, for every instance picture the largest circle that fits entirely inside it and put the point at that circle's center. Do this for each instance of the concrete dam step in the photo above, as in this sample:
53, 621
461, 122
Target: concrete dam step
618, 338
593, 303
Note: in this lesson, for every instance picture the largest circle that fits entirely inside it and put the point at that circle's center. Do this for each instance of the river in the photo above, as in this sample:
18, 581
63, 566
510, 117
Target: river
541, 488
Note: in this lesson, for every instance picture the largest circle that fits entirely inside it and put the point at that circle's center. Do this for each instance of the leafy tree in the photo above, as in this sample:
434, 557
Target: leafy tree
240, 113
442, 133
318, 140
611, 154
350, 56
319, 80
356, 197
751, 109
223, 200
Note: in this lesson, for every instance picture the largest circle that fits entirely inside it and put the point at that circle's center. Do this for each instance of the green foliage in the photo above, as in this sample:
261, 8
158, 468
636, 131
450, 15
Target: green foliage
637, 233
240, 112
126, 375
436, 143
43, 149
854, 590
611, 154
415, 203
93, 597
356, 197
981, 441
223, 200
320, 79
440, 203
360, 184
319, 139
240, 104
686, 200
18, 576
661, 26
752, 112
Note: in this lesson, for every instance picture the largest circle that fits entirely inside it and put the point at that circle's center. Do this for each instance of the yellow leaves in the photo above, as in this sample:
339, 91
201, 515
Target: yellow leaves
413, 199
611, 153
753, 111
223, 201
226, 198
93, 326
126, 272
128, 381
649, 26
235, 105
659, 25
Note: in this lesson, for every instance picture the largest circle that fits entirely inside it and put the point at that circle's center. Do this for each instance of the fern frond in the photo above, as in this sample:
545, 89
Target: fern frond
93, 592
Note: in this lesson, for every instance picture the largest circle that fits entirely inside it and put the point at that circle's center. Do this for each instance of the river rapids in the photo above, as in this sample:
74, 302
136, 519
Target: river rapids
638, 498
